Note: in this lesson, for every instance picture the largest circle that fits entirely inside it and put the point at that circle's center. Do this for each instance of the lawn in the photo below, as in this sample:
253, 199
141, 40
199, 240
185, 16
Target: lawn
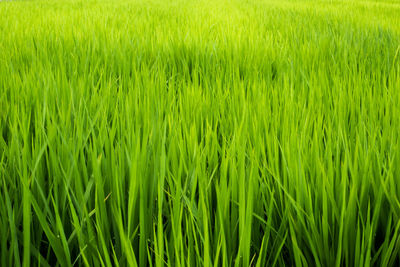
200, 133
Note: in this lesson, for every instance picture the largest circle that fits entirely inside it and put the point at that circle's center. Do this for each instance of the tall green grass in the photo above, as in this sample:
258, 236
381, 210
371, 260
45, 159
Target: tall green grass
199, 133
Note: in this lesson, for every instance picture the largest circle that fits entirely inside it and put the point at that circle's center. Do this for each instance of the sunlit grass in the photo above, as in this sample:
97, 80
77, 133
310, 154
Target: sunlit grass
199, 133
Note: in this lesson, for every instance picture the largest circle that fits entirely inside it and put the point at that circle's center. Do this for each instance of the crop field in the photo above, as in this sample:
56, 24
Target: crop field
200, 133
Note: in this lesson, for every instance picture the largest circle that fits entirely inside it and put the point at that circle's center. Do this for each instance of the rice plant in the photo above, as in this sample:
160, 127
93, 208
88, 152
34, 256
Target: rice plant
200, 133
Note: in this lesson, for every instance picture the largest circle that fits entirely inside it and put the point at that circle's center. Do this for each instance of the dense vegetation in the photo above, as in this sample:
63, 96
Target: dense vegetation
199, 133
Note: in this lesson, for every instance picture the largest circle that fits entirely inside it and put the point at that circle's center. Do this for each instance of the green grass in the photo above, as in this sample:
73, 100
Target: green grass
200, 133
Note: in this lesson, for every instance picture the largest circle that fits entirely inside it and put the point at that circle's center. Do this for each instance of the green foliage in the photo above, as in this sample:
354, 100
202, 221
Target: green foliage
199, 133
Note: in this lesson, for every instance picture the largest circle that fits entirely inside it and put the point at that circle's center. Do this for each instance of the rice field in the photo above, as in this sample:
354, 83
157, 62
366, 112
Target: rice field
200, 133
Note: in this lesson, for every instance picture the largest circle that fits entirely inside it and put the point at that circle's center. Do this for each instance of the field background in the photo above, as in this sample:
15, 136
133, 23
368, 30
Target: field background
199, 133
